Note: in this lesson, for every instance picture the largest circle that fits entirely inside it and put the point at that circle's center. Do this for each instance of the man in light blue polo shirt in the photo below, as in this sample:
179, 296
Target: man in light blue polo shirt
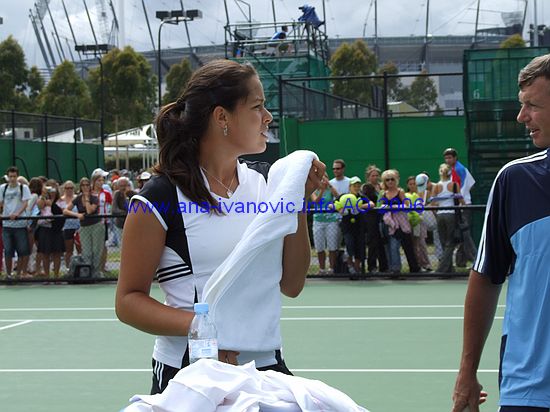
515, 244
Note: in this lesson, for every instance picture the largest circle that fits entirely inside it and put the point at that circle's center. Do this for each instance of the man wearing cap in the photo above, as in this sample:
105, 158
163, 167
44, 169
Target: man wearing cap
105, 202
142, 179
353, 227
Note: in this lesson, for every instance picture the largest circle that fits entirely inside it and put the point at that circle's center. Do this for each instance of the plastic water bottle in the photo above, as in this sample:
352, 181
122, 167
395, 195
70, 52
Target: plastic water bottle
202, 338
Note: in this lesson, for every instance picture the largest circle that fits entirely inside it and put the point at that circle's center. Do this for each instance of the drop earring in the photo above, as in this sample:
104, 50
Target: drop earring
225, 130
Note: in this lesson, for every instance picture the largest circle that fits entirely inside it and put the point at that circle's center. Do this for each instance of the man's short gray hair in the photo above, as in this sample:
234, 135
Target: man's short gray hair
539, 66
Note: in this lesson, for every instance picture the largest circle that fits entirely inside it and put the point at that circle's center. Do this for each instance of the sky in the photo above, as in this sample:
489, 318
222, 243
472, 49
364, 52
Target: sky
344, 18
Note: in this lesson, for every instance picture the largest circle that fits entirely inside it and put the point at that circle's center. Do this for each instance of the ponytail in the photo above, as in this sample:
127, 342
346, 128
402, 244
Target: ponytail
181, 125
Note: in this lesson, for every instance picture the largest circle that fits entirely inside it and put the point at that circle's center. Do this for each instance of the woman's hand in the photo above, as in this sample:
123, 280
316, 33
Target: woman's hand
228, 356
316, 173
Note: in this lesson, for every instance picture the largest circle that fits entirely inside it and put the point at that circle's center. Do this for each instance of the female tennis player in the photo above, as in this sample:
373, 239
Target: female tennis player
220, 116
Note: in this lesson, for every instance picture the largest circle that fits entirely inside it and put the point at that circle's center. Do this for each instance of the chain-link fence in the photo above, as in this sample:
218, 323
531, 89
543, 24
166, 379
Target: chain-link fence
364, 249
53, 146
371, 96
434, 242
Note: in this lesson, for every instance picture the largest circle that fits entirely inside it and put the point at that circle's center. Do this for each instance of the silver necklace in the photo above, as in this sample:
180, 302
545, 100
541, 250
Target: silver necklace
228, 190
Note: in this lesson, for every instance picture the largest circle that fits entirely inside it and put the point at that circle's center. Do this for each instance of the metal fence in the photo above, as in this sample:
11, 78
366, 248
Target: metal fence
75, 266
378, 96
53, 146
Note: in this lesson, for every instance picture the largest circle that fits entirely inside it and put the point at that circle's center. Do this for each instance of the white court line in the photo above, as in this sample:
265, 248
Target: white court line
381, 307
63, 320
293, 370
390, 370
70, 370
284, 307
285, 319
23, 322
51, 309
386, 318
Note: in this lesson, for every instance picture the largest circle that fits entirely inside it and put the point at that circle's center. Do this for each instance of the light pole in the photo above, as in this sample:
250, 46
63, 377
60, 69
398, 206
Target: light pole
97, 50
172, 17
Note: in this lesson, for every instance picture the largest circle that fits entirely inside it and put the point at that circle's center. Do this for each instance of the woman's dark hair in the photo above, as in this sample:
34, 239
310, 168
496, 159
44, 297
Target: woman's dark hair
55, 189
369, 191
181, 125
35, 186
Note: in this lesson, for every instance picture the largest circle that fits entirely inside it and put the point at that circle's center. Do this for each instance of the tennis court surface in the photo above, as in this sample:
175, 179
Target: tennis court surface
393, 346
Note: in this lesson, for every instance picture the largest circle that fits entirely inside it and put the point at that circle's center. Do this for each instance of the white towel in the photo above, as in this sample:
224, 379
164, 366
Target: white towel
243, 293
212, 386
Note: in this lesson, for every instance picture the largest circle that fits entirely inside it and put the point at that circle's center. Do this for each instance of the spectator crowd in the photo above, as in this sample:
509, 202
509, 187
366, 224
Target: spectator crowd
387, 218
66, 222
379, 217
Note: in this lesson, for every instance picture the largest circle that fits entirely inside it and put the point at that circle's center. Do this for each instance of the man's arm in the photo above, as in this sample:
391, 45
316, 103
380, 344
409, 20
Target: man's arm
479, 312
19, 211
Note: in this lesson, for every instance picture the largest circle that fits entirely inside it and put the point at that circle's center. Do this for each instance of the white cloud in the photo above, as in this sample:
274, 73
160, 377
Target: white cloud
345, 18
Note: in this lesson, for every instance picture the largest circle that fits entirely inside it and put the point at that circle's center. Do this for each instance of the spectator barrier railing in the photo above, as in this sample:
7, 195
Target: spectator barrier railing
111, 267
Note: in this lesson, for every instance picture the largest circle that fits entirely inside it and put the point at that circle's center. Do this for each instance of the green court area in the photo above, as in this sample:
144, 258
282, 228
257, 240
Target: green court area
393, 346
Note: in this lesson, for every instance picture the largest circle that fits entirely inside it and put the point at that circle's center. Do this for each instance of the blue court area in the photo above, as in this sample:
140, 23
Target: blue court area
393, 346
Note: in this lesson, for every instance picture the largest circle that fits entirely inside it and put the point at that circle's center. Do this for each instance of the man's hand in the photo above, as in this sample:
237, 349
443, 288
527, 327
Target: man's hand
228, 356
467, 393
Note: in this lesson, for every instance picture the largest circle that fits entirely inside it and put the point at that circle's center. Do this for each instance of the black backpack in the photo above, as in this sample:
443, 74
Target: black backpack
6, 189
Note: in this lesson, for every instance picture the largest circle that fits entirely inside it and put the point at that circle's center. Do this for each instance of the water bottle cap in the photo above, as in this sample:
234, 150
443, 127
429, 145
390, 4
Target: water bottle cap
201, 307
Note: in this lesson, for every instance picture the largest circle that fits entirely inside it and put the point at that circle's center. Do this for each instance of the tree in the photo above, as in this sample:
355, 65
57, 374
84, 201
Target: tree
66, 93
422, 93
353, 60
129, 89
176, 80
396, 90
513, 42
13, 74
35, 84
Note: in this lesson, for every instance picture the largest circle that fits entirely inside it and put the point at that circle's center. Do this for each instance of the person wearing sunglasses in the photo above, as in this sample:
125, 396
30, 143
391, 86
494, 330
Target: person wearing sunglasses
339, 185
71, 225
92, 230
397, 227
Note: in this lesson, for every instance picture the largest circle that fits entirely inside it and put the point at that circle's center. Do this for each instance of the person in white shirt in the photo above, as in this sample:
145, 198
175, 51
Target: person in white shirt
14, 198
339, 185
220, 116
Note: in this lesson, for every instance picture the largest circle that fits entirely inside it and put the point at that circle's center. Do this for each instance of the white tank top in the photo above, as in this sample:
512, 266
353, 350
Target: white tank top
446, 197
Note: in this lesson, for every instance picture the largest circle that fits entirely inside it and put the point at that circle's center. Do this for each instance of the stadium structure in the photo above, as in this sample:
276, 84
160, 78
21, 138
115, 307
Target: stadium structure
411, 54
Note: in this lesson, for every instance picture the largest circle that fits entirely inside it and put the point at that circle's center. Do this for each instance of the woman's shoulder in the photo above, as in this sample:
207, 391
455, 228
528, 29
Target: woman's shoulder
159, 186
257, 166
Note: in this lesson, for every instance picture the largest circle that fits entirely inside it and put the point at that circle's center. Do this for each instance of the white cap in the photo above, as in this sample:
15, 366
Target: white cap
99, 172
422, 182
145, 176
354, 180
